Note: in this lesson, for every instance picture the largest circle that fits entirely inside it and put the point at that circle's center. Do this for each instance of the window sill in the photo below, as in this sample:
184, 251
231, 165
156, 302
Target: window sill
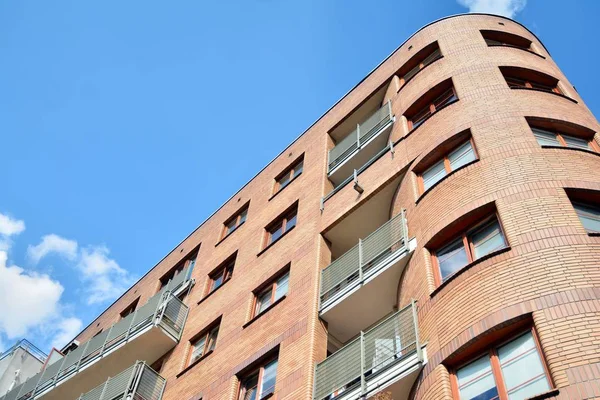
263, 312
431, 115
413, 77
518, 48
546, 91
467, 267
229, 234
283, 188
545, 146
275, 241
545, 395
192, 365
211, 293
444, 178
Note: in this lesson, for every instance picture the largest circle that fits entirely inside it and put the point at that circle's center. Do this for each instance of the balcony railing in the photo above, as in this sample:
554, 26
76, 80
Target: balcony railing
382, 348
362, 134
361, 261
163, 309
138, 382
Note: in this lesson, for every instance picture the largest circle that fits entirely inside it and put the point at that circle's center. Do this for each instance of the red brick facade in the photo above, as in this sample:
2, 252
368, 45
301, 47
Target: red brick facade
549, 273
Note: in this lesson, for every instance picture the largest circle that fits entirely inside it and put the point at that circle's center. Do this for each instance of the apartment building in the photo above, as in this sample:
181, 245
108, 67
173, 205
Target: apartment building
434, 235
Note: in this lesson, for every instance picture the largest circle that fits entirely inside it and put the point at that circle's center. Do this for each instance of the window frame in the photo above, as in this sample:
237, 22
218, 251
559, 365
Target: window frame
581, 203
290, 172
191, 258
225, 269
423, 61
562, 143
491, 351
467, 244
502, 42
271, 286
206, 350
282, 222
258, 371
530, 84
447, 166
237, 219
431, 104
130, 309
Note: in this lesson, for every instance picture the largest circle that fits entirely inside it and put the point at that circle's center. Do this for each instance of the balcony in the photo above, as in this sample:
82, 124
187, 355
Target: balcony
360, 287
369, 138
386, 357
146, 334
139, 382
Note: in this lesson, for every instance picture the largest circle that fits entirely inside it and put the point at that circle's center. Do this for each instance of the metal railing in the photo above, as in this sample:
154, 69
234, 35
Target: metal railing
139, 382
371, 353
363, 259
27, 346
364, 132
163, 309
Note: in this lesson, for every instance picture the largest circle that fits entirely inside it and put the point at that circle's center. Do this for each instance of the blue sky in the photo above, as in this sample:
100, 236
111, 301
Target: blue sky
123, 125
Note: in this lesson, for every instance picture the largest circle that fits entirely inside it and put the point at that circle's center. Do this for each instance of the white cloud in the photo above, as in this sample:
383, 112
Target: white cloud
53, 244
507, 8
105, 279
9, 227
68, 328
27, 299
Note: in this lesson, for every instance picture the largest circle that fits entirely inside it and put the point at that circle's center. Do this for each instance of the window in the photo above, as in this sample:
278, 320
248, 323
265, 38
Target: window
521, 78
290, 173
235, 222
498, 38
282, 225
589, 215
179, 268
203, 344
130, 308
457, 158
547, 137
511, 371
483, 239
260, 383
265, 298
222, 274
437, 98
423, 58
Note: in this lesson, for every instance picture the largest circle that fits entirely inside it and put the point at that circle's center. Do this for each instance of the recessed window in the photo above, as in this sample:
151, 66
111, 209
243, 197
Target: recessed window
178, 269
274, 291
521, 78
203, 344
479, 241
546, 137
589, 215
434, 100
460, 156
130, 308
283, 224
498, 38
222, 274
289, 174
514, 370
235, 221
423, 58
260, 383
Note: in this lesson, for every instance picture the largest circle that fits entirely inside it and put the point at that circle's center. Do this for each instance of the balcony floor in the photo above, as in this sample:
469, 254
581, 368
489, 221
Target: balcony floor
362, 304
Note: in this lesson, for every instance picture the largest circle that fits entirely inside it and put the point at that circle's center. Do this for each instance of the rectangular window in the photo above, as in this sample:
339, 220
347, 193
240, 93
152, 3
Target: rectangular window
547, 137
273, 292
203, 344
457, 158
512, 371
189, 262
235, 222
475, 243
589, 215
260, 382
282, 225
222, 274
430, 107
290, 173
130, 308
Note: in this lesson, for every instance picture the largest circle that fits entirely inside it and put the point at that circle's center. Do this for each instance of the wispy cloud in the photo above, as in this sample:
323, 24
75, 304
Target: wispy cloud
68, 328
104, 278
9, 227
507, 8
53, 244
